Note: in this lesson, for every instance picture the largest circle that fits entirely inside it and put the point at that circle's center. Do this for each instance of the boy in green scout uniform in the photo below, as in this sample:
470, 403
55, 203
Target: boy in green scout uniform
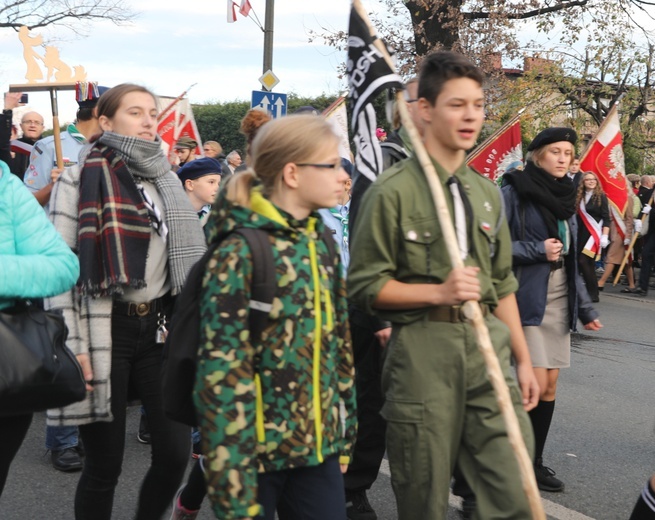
439, 404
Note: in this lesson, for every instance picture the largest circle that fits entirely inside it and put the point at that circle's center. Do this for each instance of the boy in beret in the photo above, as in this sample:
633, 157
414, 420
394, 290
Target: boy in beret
201, 179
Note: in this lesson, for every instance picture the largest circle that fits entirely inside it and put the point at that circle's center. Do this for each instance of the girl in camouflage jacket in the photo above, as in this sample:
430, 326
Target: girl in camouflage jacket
274, 412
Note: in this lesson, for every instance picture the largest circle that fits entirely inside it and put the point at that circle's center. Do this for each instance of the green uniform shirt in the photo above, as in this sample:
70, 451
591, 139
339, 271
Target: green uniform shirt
398, 237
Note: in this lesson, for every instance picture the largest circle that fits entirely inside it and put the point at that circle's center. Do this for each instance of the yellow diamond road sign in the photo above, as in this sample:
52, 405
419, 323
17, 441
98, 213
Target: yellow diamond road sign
269, 80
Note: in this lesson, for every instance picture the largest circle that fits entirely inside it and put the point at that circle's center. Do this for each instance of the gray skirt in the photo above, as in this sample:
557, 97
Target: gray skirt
550, 342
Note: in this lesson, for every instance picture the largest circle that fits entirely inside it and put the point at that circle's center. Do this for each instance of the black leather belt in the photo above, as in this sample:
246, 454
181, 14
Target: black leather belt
453, 314
554, 266
141, 309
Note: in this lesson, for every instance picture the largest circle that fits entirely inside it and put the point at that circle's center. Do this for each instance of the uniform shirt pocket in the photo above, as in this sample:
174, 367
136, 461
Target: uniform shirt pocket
418, 238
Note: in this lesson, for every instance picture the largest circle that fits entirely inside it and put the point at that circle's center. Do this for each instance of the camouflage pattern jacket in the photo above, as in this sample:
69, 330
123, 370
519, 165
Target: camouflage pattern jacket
275, 404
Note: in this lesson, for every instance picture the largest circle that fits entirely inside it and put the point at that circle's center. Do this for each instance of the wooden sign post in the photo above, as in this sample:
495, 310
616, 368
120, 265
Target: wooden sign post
64, 77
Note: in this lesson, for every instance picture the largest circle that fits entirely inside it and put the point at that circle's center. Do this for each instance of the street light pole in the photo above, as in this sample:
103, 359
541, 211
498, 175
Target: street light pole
268, 36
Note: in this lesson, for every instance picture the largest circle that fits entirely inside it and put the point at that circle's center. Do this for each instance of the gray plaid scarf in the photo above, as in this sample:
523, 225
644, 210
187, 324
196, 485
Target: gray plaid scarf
146, 160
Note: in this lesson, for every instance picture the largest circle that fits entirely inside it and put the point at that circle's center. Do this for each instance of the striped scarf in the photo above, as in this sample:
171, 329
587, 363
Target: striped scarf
115, 224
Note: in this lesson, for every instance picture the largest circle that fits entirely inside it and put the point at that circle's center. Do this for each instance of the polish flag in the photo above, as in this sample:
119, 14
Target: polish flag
231, 11
245, 7
604, 157
177, 122
501, 152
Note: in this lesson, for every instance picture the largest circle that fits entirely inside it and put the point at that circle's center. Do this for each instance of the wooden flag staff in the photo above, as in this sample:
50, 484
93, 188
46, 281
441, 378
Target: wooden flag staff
635, 236
179, 98
52, 88
471, 309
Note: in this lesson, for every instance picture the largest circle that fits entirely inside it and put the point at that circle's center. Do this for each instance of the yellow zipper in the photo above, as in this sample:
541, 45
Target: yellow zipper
317, 342
259, 410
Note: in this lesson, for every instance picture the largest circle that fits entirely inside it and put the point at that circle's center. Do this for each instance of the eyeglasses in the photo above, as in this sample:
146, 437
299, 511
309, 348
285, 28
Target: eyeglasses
31, 122
335, 166
411, 100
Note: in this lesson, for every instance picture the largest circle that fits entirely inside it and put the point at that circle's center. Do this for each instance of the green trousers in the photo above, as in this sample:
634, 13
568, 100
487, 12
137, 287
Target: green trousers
441, 409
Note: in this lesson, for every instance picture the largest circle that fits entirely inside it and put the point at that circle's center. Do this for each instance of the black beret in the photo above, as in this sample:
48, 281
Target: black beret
553, 135
199, 168
347, 166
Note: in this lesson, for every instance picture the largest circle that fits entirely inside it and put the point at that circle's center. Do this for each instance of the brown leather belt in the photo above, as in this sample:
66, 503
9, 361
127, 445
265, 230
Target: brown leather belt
141, 309
453, 314
554, 266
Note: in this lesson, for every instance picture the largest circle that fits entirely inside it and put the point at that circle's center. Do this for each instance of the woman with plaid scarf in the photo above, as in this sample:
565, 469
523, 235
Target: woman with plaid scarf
136, 235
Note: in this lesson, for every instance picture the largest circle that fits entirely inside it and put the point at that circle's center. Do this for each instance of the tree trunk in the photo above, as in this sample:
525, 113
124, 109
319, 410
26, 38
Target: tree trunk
435, 24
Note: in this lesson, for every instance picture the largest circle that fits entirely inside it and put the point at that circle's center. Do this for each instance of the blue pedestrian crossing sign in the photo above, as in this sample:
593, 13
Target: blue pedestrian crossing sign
272, 102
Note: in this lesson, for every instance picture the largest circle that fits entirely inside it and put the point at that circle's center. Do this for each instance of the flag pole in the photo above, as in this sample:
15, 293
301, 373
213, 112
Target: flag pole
635, 236
493, 136
179, 98
335, 104
471, 309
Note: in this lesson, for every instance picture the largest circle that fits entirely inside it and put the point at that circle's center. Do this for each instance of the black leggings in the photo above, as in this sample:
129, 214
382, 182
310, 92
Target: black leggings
136, 363
587, 266
13, 431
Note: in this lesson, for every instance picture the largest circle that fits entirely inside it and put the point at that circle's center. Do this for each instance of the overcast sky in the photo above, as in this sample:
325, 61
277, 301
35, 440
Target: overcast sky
172, 44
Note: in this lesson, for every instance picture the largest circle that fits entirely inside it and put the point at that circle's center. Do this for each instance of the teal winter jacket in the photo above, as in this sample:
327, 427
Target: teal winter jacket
35, 262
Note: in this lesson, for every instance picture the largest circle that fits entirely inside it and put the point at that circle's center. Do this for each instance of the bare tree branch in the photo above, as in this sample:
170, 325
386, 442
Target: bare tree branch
560, 6
66, 13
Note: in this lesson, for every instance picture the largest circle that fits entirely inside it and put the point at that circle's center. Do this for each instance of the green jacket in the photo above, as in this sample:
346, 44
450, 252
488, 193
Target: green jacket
276, 404
398, 237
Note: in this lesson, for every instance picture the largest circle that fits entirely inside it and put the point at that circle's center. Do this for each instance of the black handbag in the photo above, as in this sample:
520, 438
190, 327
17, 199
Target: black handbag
37, 369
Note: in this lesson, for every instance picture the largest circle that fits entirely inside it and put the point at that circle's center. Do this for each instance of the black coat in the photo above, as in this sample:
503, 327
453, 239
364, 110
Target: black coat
532, 269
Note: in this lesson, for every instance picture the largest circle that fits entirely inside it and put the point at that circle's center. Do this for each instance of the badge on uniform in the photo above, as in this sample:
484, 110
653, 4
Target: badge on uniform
485, 226
487, 206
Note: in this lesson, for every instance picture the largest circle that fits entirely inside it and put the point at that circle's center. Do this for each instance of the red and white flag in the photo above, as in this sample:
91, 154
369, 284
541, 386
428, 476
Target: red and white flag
604, 157
501, 152
231, 11
20, 147
245, 7
175, 123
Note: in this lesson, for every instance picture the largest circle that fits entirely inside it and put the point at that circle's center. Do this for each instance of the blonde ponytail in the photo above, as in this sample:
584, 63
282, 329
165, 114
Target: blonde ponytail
238, 186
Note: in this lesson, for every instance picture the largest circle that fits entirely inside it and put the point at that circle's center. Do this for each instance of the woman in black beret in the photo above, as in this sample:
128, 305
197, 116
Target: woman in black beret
540, 205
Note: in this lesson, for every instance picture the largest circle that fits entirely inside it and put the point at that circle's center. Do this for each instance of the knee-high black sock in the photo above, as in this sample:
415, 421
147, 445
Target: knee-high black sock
645, 506
541, 417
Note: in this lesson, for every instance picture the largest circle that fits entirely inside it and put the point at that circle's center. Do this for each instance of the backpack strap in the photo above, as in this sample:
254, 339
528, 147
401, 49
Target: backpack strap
264, 277
330, 243
398, 151
263, 283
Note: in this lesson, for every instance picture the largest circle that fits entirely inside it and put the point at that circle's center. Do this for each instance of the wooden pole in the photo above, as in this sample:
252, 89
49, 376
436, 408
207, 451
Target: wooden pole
635, 236
52, 89
56, 132
161, 114
471, 308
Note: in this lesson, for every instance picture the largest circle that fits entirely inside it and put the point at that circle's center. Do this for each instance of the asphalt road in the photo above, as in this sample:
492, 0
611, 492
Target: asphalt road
601, 443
